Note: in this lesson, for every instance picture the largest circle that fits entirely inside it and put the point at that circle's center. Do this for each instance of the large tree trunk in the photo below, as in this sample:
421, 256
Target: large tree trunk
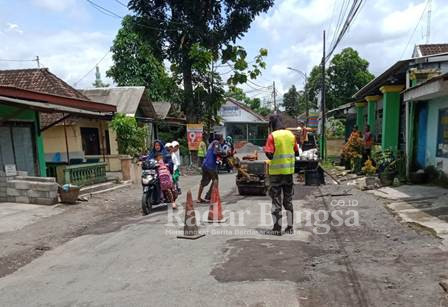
189, 107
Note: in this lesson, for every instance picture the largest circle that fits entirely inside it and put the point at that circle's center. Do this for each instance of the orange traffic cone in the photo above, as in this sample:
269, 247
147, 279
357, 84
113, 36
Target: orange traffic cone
191, 230
215, 211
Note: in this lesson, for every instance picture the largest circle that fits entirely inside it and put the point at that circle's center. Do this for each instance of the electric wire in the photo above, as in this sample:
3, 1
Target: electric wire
415, 29
83, 77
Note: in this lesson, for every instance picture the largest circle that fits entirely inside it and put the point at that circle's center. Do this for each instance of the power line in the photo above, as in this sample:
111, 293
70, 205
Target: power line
82, 78
110, 13
121, 3
339, 22
354, 9
415, 29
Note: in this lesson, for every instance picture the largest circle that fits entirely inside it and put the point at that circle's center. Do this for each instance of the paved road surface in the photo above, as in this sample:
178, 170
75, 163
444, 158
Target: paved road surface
141, 262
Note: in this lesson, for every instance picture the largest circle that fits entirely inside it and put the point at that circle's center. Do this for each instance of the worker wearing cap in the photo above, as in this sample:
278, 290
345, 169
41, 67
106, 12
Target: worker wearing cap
281, 149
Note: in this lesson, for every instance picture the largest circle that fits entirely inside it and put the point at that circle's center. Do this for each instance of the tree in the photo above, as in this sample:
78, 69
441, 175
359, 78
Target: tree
136, 65
130, 137
348, 73
193, 34
294, 102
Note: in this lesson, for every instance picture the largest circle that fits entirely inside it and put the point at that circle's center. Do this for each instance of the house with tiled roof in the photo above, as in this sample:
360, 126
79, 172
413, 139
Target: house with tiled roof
88, 138
32, 101
429, 49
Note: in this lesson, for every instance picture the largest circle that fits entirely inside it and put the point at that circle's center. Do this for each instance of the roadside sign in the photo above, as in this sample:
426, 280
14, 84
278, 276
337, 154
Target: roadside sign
194, 135
10, 170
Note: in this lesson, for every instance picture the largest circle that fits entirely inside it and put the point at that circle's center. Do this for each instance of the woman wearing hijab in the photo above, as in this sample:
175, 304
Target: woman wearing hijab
159, 148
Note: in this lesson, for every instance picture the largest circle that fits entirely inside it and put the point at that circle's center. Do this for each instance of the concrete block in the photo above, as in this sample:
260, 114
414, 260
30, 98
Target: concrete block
22, 173
22, 199
19, 184
38, 194
36, 179
11, 199
44, 186
43, 201
2, 174
3, 199
13, 192
53, 194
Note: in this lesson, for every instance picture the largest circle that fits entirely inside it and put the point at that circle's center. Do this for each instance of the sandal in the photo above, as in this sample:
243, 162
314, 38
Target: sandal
201, 201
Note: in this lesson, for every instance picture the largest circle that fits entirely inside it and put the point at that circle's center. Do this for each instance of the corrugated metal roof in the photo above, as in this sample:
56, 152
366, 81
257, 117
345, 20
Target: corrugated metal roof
129, 99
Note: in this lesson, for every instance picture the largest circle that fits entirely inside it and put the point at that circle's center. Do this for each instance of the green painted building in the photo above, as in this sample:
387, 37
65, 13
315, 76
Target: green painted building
21, 141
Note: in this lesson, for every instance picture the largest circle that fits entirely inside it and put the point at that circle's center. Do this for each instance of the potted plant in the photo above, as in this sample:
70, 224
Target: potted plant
370, 172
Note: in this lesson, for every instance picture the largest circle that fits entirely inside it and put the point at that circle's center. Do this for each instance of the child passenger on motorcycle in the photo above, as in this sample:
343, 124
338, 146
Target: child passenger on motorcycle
166, 182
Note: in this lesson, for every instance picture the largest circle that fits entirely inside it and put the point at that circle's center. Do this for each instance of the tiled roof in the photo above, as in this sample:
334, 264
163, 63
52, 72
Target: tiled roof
39, 80
430, 49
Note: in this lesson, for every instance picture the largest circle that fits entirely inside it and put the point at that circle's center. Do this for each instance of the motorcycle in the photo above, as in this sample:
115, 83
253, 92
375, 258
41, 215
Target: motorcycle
152, 195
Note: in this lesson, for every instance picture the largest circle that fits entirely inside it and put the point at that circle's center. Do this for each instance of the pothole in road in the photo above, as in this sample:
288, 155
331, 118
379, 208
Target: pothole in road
258, 260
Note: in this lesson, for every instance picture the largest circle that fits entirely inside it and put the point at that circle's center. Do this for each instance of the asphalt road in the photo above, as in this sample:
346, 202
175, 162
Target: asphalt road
370, 260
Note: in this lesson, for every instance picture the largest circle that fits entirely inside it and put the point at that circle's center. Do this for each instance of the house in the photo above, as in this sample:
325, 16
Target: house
22, 156
395, 102
56, 140
242, 123
132, 101
428, 123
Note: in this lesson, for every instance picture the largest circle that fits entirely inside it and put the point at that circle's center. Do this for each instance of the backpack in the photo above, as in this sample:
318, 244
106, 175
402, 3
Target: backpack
165, 180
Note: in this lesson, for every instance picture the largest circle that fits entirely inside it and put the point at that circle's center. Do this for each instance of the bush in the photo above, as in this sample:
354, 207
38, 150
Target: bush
131, 138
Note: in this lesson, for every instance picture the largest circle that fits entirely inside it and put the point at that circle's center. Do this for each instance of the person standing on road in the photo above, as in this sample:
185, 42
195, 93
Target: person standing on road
209, 166
281, 148
201, 152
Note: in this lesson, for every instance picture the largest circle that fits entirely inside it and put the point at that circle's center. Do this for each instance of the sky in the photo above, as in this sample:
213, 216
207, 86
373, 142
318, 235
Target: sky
71, 36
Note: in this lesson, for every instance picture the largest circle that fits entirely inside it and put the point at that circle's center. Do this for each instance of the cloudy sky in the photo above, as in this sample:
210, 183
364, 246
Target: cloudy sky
71, 36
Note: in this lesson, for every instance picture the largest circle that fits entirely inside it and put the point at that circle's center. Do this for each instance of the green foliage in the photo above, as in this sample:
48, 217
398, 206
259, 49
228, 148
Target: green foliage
136, 65
346, 74
335, 128
186, 33
130, 137
294, 102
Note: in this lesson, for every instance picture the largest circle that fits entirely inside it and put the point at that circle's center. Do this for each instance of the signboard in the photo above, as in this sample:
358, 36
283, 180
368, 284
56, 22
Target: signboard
194, 135
10, 170
230, 111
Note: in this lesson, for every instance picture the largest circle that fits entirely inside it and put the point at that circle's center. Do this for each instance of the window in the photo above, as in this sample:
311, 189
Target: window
442, 135
237, 131
90, 141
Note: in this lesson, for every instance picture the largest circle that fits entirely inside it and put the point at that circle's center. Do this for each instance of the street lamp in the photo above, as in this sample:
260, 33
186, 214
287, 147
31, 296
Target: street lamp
305, 77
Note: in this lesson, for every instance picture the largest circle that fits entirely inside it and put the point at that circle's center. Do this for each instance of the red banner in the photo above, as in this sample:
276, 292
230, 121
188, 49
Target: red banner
194, 135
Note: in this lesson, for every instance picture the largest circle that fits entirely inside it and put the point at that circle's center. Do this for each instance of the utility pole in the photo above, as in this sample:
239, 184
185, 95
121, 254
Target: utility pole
275, 98
37, 61
322, 107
